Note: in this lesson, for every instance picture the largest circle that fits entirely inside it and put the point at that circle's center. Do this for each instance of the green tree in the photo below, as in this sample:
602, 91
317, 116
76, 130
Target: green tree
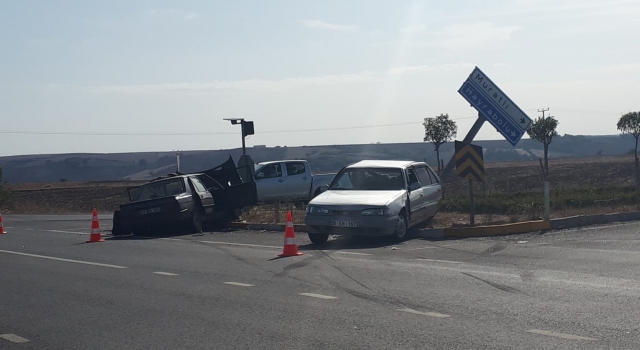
543, 130
630, 124
439, 130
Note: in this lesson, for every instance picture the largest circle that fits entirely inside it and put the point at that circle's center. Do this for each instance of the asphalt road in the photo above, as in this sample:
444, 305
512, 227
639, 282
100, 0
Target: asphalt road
576, 289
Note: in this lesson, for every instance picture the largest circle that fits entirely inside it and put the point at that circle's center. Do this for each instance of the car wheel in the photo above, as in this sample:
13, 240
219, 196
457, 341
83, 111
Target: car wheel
195, 224
400, 233
318, 238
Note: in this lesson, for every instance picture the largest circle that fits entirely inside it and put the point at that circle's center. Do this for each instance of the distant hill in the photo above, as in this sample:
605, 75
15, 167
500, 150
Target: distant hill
146, 165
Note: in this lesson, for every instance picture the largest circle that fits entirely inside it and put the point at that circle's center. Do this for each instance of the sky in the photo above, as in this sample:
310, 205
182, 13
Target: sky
129, 76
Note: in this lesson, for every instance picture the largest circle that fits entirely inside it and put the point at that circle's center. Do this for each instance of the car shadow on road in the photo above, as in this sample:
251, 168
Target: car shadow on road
171, 233
352, 243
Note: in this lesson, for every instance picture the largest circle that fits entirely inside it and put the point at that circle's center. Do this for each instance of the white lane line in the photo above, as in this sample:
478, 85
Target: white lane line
65, 260
13, 338
319, 296
61, 231
241, 244
350, 253
559, 335
423, 313
165, 273
223, 243
408, 250
239, 284
29, 229
441, 261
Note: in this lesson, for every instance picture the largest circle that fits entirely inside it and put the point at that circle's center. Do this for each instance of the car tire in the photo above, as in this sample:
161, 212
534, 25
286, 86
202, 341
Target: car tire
402, 227
195, 223
318, 238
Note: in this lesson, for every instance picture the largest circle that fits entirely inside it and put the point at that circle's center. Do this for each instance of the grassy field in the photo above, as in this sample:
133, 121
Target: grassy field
513, 192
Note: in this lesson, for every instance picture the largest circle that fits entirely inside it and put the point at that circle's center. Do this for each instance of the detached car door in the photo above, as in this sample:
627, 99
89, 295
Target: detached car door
271, 183
298, 180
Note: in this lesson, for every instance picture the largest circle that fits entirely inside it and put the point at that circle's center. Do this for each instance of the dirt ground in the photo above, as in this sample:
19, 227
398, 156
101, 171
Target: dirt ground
501, 177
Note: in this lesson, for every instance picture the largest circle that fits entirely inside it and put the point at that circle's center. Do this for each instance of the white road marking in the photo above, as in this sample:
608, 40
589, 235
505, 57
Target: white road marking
224, 243
29, 229
242, 244
559, 335
239, 284
341, 252
13, 338
430, 247
441, 261
62, 259
432, 314
319, 296
61, 231
165, 273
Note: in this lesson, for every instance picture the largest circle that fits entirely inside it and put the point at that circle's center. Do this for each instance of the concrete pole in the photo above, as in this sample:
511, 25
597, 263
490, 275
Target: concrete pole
546, 200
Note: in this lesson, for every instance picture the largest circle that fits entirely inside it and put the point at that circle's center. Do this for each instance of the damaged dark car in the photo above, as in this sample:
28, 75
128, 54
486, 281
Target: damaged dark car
185, 201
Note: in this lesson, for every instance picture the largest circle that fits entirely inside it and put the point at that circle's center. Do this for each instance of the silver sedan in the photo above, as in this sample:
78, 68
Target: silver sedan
375, 198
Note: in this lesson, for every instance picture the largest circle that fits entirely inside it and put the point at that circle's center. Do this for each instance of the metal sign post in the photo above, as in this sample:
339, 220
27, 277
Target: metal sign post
472, 216
467, 140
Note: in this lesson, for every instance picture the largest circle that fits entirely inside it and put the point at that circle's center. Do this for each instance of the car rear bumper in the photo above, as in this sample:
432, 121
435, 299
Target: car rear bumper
365, 225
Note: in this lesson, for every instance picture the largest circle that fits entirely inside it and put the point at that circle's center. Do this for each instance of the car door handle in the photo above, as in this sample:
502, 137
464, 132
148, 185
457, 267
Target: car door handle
304, 178
280, 180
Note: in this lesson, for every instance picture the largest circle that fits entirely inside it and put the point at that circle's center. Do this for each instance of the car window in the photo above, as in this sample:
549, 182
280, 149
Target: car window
423, 176
198, 185
296, 168
433, 175
369, 179
269, 171
412, 176
159, 189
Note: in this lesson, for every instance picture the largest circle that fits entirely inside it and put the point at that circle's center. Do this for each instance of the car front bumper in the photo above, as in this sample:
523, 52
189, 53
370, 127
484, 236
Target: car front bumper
365, 225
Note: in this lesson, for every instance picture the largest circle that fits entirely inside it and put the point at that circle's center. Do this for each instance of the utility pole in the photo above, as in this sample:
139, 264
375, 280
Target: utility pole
545, 175
543, 110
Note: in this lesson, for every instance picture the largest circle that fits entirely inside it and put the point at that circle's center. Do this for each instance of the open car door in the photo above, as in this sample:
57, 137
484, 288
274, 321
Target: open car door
234, 193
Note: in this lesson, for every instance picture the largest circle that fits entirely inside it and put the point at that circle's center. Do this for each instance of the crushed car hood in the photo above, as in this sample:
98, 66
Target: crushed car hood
366, 198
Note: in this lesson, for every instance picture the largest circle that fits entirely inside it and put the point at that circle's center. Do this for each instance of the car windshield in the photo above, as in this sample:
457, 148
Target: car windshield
369, 179
159, 189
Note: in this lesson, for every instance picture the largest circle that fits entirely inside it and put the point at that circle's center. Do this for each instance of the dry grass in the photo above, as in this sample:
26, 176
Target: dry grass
266, 213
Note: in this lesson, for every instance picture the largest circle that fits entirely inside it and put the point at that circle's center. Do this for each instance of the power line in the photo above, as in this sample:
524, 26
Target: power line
79, 133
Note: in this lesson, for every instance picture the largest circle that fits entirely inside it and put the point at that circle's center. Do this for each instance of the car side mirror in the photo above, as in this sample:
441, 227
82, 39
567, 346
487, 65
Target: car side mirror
259, 176
415, 186
324, 188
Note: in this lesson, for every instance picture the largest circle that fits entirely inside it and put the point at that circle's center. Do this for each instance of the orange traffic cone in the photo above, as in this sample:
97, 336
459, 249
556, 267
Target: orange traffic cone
95, 229
290, 246
2, 231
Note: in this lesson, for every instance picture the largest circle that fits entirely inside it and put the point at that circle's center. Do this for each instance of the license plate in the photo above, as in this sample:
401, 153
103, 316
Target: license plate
149, 211
343, 223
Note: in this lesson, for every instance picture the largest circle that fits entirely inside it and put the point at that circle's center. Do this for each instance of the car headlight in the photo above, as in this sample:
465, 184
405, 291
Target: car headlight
378, 212
317, 210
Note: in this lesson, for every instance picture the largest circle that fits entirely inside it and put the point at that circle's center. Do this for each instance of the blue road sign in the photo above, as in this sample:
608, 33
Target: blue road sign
491, 112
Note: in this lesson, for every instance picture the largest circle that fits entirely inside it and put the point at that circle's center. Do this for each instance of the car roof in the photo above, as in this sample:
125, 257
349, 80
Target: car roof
385, 164
281, 161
